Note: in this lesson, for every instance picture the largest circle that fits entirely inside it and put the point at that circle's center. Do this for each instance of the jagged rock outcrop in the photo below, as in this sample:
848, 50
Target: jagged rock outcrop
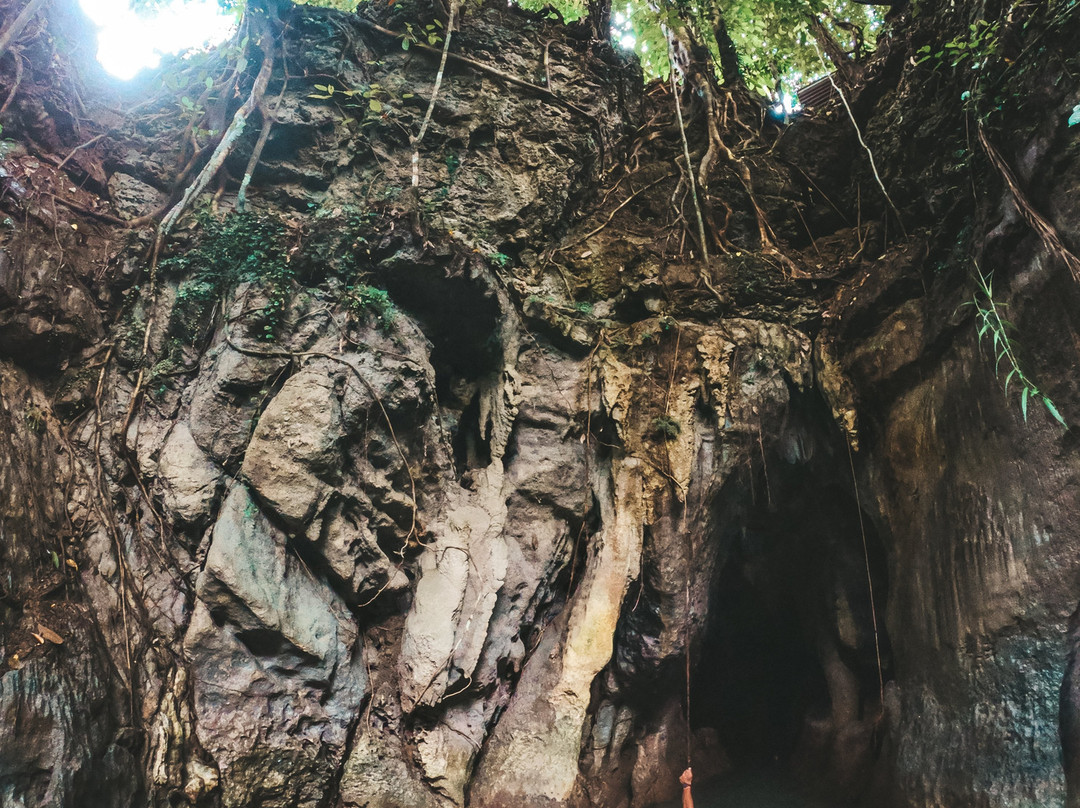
455, 497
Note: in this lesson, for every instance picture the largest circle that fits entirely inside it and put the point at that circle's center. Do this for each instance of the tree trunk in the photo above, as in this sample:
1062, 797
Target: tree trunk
600, 19
729, 55
827, 43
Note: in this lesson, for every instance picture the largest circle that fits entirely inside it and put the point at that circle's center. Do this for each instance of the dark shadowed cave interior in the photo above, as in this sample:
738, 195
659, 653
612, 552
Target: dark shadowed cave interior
517, 419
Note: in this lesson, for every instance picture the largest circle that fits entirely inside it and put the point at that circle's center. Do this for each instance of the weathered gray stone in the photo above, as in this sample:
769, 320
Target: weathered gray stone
190, 479
546, 716
132, 197
447, 751
278, 674
56, 739
294, 456
226, 398
443, 471
346, 540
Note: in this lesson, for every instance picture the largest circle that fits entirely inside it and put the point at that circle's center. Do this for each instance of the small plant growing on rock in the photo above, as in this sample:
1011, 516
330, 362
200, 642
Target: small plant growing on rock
980, 43
34, 417
239, 246
416, 33
666, 427
994, 326
363, 300
372, 99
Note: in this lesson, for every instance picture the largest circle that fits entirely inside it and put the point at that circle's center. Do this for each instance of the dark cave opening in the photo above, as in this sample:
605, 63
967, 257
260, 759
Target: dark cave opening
787, 670
757, 675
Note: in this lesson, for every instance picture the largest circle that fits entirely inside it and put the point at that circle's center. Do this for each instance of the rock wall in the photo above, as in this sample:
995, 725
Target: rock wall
374, 497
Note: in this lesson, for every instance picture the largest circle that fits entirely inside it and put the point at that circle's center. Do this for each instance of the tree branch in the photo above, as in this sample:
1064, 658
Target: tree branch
12, 30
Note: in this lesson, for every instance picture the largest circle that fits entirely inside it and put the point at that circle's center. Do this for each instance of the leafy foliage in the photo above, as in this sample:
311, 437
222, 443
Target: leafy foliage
567, 10
774, 39
776, 46
255, 247
775, 42
993, 326
340, 5
371, 100
237, 247
362, 300
980, 43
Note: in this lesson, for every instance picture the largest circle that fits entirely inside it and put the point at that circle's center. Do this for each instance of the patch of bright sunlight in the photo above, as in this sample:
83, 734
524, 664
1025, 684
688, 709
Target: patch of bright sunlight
129, 41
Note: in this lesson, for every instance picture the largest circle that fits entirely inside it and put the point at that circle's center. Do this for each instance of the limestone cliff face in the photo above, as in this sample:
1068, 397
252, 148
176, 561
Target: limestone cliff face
367, 498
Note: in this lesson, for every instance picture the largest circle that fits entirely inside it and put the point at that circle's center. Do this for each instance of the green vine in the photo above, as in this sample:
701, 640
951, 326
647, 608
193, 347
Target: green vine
994, 326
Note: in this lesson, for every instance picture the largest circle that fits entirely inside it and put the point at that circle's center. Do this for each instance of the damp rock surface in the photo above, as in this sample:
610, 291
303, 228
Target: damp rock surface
455, 496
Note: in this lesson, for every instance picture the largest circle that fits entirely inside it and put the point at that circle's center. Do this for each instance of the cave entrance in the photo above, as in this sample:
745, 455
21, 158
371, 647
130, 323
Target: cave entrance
787, 672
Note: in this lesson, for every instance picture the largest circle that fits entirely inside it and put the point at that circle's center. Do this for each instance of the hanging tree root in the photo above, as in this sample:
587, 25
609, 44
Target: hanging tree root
716, 147
268, 117
224, 148
228, 141
15, 85
866, 148
633, 195
1042, 227
431, 102
703, 270
689, 164
480, 67
702, 83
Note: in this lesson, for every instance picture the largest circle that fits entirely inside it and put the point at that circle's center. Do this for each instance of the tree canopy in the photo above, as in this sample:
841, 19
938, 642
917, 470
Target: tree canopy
777, 44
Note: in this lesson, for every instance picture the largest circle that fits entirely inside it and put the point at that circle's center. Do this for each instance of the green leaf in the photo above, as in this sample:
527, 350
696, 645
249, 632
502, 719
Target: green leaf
404, 44
1054, 412
55, 559
375, 105
1023, 402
